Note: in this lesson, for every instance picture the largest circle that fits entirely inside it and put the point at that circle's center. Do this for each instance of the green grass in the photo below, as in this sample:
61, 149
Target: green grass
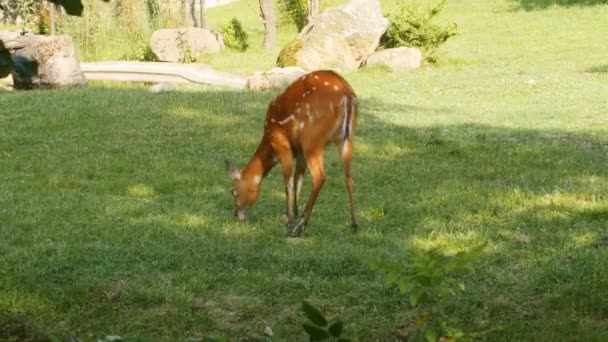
115, 214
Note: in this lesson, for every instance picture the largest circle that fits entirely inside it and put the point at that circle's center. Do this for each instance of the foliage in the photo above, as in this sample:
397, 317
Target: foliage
319, 328
185, 50
235, 36
412, 26
139, 51
154, 12
431, 286
22, 12
295, 12
119, 30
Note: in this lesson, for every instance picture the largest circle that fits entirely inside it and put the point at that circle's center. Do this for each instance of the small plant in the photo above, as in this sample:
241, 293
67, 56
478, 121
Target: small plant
185, 52
295, 12
139, 50
319, 328
430, 285
235, 36
413, 27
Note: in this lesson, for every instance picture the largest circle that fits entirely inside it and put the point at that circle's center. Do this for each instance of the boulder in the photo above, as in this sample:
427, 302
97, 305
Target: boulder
397, 59
274, 79
340, 38
42, 61
6, 65
181, 45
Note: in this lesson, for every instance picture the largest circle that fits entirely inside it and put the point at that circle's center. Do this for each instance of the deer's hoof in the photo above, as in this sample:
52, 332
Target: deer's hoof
295, 229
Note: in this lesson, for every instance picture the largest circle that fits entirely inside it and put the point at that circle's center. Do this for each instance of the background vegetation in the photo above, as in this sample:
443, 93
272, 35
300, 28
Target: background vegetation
115, 215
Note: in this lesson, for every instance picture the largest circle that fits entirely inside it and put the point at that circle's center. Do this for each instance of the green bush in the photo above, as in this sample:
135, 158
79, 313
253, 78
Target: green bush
293, 12
234, 35
412, 27
296, 12
431, 285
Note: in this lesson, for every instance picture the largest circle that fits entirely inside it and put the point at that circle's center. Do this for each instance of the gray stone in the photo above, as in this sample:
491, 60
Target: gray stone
340, 38
179, 45
44, 62
274, 79
397, 59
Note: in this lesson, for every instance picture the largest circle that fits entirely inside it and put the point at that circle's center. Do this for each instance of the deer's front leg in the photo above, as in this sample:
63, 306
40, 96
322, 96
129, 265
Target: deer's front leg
297, 182
286, 160
317, 172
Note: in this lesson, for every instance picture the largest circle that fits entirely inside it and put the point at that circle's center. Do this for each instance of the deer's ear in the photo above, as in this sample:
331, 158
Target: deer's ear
233, 171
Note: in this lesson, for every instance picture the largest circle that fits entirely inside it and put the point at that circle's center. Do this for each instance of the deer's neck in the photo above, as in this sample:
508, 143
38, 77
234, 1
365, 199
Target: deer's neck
262, 161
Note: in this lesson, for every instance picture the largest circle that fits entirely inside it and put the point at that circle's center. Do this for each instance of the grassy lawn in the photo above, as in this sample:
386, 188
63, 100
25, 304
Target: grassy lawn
116, 216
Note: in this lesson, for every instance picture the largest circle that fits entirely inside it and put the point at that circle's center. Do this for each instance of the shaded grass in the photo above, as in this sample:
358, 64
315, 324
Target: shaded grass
122, 214
543, 4
598, 69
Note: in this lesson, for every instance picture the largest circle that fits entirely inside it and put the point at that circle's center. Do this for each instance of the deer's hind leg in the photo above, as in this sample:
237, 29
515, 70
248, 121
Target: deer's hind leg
346, 155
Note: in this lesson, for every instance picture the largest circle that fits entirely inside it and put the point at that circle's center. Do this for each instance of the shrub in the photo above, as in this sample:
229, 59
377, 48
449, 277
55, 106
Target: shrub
319, 328
413, 27
234, 36
296, 12
430, 284
293, 12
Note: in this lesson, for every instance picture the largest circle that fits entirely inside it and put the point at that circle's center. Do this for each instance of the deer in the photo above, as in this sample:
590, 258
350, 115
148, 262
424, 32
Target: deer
314, 111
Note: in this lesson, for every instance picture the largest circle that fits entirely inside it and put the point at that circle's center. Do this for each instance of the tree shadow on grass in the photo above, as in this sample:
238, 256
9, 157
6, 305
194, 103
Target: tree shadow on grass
118, 216
543, 4
598, 69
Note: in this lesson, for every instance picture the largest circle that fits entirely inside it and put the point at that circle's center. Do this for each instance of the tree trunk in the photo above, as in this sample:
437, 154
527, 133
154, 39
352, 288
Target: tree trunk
193, 12
203, 14
313, 9
52, 18
270, 26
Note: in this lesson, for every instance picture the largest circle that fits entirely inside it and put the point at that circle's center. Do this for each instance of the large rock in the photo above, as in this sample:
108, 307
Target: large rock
274, 79
43, 62
6, 65
340, 38
183, 45
397, 59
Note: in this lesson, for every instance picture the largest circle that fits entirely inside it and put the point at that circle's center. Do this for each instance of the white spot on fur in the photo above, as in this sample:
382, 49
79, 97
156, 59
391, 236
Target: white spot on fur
273, 120
299, 185
302, 125
344, 104
289, 118
326, 83
344, 148
316, 77
290, 184
314, 88
310, 118
257, 179
336, 88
